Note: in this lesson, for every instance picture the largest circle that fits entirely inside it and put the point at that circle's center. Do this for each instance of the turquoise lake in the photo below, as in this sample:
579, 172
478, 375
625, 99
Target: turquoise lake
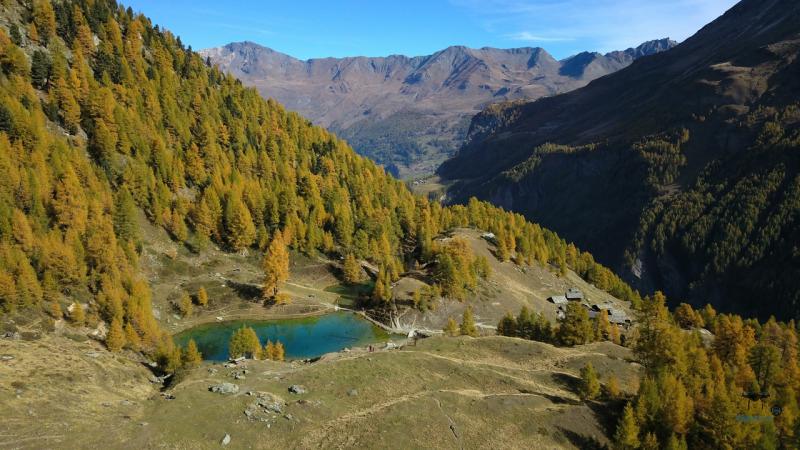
307, 337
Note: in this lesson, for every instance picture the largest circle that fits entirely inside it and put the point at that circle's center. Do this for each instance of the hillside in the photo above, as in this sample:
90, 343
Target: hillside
680, 170
411, 113
437, 396
111, 127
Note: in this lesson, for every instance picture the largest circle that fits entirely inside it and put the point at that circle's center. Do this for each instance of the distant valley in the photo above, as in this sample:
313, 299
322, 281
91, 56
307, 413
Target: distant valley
411, 113
681, 170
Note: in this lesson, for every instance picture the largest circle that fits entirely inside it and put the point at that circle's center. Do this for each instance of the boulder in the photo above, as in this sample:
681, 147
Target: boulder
224, 388
226, 439
297, 389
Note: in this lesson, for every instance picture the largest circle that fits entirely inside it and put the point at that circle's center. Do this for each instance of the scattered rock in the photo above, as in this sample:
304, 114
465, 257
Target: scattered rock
213, 370
226, 440
144, 424
93, 354
6, 357
224, 388
126, 403
100, 332
12, 335
106, 404
168, 396
352, 392
297, 389
288, 417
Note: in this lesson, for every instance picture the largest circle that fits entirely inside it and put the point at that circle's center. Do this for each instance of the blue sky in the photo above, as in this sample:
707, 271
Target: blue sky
316, 28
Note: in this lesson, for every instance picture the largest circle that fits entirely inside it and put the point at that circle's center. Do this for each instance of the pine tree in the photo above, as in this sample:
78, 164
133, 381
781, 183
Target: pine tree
590, 384
125, 216
41, 66
507, 326
191, 356
352, 270
627, 435
276, 265
115, 339
467, 327
202, 297
451, 329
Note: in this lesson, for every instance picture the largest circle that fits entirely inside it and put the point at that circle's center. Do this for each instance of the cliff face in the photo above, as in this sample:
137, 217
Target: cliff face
680, 170
411, 113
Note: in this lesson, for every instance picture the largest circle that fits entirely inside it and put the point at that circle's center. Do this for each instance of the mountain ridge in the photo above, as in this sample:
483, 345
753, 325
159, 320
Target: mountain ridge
670, 136
409, 113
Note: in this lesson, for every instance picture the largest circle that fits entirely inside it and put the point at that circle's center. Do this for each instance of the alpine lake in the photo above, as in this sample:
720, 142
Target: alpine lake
302, 338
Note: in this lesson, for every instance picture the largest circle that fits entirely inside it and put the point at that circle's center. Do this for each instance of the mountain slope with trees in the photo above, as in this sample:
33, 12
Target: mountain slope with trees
103, 115
680, 170
411, 113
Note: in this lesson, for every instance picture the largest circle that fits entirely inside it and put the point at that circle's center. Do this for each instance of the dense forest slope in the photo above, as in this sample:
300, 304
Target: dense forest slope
411, 113
682, 168
103, 115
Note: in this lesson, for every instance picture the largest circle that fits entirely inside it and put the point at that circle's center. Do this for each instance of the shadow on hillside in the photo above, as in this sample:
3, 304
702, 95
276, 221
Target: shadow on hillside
571, 383
581, 441
245, 291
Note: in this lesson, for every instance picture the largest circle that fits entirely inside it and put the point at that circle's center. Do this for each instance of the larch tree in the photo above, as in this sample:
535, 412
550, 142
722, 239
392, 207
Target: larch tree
241, 230
576, 327
280, 352
590, 384
275, 265
185, 305
352, 270
244, 342
451, 328
115, 338
468, 327
627, 435
191, 356
202, 296
77, 315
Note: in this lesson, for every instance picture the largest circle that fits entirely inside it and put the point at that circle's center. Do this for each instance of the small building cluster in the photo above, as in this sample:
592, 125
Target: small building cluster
615, 316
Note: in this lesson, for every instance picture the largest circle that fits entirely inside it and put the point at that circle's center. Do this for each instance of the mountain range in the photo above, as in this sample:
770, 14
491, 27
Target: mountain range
411, 113
680, 170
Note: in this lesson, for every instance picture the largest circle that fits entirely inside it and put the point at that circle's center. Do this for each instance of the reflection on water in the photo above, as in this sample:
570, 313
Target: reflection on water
302, 338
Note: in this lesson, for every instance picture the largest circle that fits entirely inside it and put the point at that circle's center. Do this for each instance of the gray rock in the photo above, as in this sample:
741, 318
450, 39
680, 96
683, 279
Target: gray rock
352, 392
226, 440
6, 358
297, 389
224, 388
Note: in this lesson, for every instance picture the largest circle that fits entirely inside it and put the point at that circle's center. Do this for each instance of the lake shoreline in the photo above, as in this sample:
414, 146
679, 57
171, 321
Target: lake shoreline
307, 337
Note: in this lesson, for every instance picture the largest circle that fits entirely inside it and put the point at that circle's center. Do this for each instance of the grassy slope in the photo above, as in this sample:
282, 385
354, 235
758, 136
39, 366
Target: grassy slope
443, 393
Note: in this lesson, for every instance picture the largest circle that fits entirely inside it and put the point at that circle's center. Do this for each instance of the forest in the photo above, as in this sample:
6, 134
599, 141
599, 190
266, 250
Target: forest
104, 116
106, 119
